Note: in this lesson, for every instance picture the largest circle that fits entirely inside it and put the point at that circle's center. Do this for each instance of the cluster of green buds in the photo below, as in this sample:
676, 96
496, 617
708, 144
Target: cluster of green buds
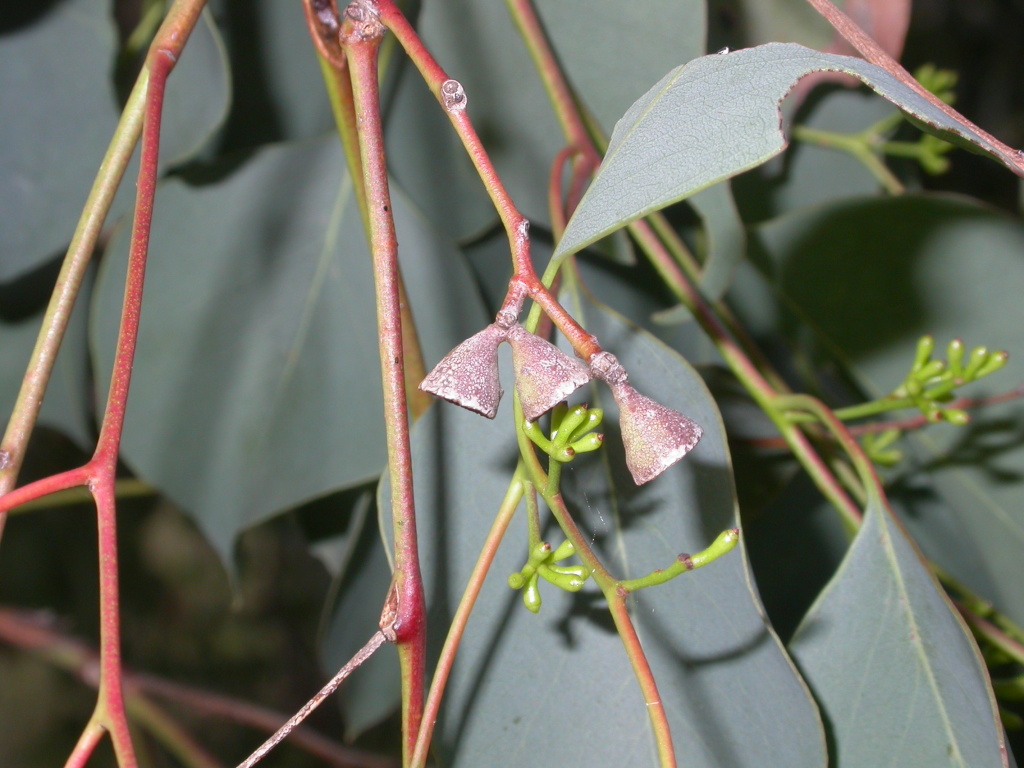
654, 437
541, 565
930, 151
931, 383
571, 432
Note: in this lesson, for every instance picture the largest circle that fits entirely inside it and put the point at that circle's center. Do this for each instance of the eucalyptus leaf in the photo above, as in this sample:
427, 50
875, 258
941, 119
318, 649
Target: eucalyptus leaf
897, 675
726, 238
711, 119
60, 113
560, 681
256, 382
295, 85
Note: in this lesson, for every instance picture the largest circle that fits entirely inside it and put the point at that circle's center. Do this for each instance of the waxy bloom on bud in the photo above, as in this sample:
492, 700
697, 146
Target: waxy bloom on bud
545, 375
468, 375
655, 437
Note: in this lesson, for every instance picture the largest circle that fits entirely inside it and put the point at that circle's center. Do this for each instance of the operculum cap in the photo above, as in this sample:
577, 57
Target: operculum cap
545, 375
468, 375
655, 437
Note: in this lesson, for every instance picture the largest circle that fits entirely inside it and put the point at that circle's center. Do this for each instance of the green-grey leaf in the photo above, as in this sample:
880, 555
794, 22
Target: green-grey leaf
59, 115
898, 677
257, 380
712, 119
298, 103
560, 681
875, 275
59, 118
726, 238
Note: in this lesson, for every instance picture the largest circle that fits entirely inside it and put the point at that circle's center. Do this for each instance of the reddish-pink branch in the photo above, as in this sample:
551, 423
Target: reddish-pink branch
516, 225
99, 474
360, 38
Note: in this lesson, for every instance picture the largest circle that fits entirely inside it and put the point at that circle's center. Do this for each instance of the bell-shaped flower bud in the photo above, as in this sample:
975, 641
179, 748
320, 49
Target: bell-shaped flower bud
545, 375
655, 437
468, 375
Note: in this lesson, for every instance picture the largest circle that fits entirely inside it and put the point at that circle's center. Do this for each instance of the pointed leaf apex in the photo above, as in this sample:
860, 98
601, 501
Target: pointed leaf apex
655, 437
545, 376
468, 375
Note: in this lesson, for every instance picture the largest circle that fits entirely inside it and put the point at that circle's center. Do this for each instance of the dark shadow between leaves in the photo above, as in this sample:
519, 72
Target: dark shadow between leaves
853, 271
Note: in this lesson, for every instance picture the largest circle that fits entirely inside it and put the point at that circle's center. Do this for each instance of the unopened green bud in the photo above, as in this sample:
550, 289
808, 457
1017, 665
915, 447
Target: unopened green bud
516, 580
956, 416
531, 595
589, 442
565, 549
570, 570
979, 356
955, 356
540, 553
536, 434
914, 387
575, 416
995, 361
930, 370
925, 347
570, 582
593, 420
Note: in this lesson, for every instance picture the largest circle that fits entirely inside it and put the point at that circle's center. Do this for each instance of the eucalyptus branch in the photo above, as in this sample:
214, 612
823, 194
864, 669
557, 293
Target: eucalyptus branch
376, 641
180, 20
360, 37
453, 99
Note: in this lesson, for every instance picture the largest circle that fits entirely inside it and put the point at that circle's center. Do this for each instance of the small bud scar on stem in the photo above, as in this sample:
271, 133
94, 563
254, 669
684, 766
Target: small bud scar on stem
453, 96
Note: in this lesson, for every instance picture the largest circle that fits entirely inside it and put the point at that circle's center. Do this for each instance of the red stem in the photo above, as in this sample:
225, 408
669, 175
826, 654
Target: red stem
410, 621
516, 225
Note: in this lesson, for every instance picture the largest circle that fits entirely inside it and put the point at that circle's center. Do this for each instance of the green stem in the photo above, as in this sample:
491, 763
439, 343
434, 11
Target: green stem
725, 543
857, 145
873, 408
410, 622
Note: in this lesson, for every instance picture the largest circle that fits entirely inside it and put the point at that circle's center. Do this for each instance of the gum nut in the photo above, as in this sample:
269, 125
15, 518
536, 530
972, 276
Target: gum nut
655, 437
468, 375
545, 376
